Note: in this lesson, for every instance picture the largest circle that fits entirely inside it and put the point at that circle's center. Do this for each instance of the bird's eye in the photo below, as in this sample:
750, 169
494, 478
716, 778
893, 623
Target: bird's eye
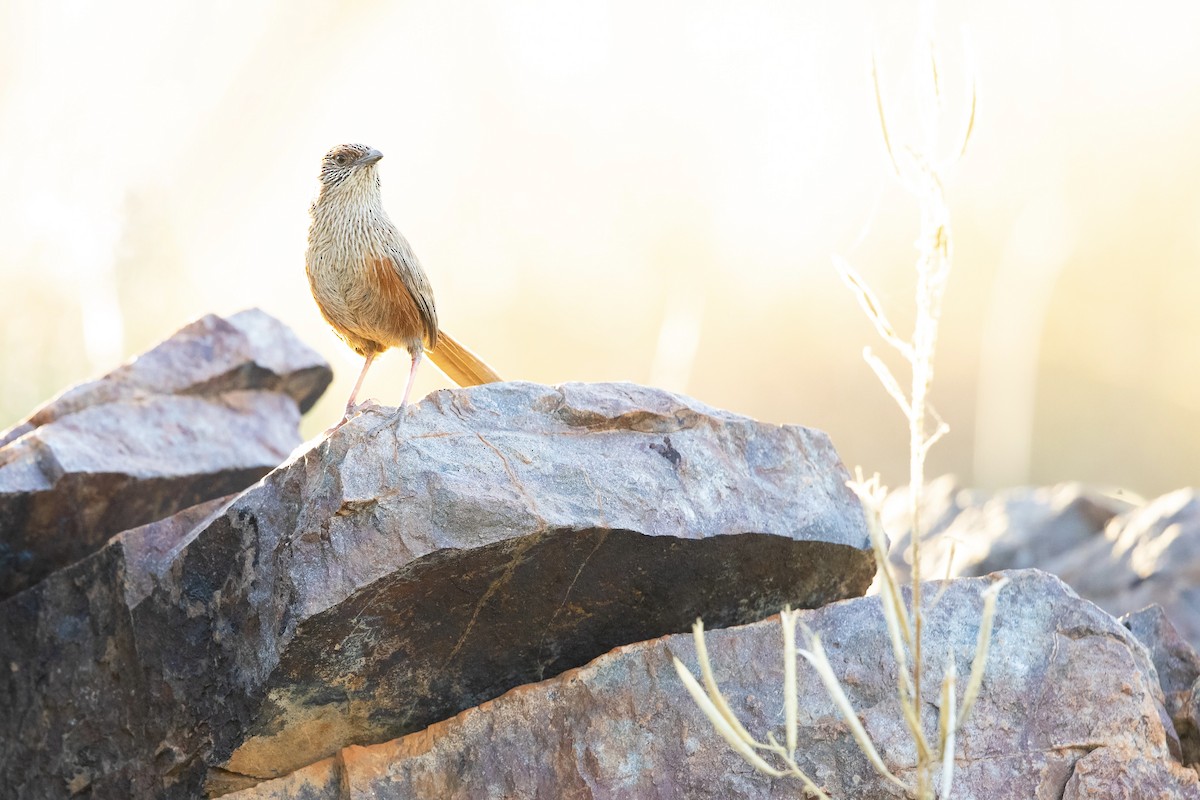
341, 159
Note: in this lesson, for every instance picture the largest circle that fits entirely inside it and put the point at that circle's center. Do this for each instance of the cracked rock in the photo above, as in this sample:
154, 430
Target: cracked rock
1068, 704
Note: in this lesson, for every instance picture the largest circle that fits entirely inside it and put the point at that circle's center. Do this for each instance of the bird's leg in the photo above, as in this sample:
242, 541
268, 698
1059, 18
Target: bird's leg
416, 353
358, 385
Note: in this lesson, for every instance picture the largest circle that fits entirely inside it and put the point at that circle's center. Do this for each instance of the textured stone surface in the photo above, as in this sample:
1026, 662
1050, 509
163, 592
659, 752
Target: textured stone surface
1178, 667
1110, 774
69, 485
1121, 556
1148, 555
1191, 714
72, 690
1069, 704
983, 532
204, 414
248, 350
81, 720
413, 565
150, 549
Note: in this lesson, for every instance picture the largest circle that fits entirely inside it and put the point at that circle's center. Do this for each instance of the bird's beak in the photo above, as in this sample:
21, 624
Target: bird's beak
370, 158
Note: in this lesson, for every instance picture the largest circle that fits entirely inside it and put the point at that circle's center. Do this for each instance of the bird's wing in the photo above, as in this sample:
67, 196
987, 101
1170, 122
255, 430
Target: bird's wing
417, 282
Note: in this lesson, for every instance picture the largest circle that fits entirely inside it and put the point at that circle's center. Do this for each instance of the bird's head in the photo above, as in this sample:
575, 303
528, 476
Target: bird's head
350, 165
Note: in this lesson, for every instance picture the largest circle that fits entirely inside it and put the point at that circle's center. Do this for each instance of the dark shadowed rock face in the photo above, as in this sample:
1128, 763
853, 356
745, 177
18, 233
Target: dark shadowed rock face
204, 414
413, 565
1069, 704
72, 691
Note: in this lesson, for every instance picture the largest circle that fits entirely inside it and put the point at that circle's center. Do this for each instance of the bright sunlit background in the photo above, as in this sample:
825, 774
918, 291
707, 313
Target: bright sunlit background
610, 190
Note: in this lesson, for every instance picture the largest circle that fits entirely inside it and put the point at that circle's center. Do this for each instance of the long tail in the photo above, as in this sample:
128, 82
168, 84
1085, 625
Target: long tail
460, 364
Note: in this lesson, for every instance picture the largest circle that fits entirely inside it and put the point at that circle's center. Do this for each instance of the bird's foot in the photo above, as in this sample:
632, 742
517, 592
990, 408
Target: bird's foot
352, 411
360, 408
398, 414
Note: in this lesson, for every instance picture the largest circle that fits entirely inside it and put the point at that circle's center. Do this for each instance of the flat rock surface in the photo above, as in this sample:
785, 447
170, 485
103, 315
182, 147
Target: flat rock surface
1069, 707
413, 565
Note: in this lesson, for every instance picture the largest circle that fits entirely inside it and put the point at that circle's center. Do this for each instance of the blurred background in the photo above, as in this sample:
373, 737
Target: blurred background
617, 190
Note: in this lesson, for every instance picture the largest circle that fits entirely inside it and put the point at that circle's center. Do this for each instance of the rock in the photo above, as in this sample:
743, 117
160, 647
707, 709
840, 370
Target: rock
1068, 703
971, 532
1191, 713
213, 355
68, 654
69, 485
1147, 555
1178, 667
74, 694
414, 565
1119, 555
150, 549
1110, 773
203, 415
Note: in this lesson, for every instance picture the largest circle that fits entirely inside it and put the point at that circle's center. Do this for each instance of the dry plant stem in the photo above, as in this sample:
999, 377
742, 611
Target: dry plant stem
933, 265
904, 620
895, 614
990, 597
815, 655
947, 725
737, 742
788, 619
872, 307
710, 684
714, 706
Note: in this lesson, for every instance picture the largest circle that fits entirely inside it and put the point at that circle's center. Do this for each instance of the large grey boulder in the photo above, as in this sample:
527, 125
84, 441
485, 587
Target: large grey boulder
211, 356
1069, 708
416, 564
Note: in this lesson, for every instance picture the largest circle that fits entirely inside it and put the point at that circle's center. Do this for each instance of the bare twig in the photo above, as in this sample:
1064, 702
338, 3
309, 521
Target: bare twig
871, 307
947, 725
815, 655
788, 619
990, 597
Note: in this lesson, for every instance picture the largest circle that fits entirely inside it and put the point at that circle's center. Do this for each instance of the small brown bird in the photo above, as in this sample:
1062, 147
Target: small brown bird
367, 280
